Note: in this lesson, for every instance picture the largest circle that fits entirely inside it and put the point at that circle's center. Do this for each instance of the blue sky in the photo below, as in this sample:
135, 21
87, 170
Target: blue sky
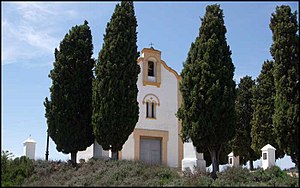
31, 32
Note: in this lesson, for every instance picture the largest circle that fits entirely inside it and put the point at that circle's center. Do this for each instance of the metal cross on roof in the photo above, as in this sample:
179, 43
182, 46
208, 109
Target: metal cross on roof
151, 44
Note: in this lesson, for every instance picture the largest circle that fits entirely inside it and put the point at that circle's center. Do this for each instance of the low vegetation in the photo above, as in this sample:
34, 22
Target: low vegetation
271, 177
25, 172
15, 171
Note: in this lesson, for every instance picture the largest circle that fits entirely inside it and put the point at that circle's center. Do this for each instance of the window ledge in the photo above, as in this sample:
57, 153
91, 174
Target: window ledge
150, 118
151, 83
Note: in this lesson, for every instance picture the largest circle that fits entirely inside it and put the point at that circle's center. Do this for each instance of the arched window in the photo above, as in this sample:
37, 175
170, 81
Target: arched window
151, 102
150, 110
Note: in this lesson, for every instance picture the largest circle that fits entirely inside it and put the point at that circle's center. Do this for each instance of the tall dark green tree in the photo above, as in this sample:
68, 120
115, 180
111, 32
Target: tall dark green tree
208, 89
241, 143
262, 131
115, 106
285, 52
69, 110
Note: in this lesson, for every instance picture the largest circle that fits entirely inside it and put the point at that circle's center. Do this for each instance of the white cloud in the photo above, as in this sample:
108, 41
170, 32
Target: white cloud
30, 30
3, 23
71, 13
35, 11
39, 39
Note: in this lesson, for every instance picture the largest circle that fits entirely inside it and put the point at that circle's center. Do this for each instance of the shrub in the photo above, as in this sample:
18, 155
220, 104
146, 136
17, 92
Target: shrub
135, 173
14, 172
274, 176
233, 176
197, 178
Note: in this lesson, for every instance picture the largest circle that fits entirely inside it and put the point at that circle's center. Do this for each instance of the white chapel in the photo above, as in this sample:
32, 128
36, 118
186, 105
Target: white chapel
155, 138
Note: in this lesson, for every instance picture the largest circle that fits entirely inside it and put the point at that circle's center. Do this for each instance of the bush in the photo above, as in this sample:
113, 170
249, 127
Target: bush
14, 172
275, 177
233, 176
135, 173
197, 178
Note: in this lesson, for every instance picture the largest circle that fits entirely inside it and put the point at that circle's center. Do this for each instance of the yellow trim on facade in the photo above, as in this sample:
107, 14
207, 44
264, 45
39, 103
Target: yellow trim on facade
180, 143
144, 133
144, 71
150, 118
147, 54
171, 70
151, 50
151, 83
140, 59
157, 72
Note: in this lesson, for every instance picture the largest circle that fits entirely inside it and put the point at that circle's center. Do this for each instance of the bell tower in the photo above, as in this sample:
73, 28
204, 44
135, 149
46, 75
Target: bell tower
151, 67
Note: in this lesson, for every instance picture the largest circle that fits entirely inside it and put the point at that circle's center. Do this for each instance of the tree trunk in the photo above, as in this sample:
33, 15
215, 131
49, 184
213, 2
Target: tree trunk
215, 163
251, 165
218, 159
217, 166
73, 158
115, 155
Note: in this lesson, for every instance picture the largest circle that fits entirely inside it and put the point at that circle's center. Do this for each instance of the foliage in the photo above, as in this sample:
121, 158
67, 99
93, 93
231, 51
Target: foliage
102, 172
208, 89
198, 178
241, 143
115, 106
233, 176
271, 177
14, 171
69, 111
275, 177
285, 52
262, 132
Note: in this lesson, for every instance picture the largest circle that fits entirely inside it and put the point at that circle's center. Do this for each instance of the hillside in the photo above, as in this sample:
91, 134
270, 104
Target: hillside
134, 173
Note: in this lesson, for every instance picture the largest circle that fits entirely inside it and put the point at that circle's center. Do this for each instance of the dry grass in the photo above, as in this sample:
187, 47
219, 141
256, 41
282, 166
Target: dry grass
104, 172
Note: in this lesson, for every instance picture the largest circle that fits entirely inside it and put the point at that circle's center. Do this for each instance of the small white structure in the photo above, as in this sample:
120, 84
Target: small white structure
95, 150
233, 160
192, 159
29, 148
268, 156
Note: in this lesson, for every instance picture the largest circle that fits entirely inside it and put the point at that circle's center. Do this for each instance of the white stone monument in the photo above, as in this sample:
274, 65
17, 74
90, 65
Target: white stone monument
268, 156
233, 160
29, 148
98, 151
95, 150
192, 159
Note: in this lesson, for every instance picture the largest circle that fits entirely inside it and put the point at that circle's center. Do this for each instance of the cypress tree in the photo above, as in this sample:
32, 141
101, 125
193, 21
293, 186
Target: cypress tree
285, 52
69, 110
241, 143
262, 132
208, 89
115, 106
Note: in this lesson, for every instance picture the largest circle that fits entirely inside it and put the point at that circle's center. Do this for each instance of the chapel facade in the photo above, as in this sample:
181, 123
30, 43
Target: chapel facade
155, 138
